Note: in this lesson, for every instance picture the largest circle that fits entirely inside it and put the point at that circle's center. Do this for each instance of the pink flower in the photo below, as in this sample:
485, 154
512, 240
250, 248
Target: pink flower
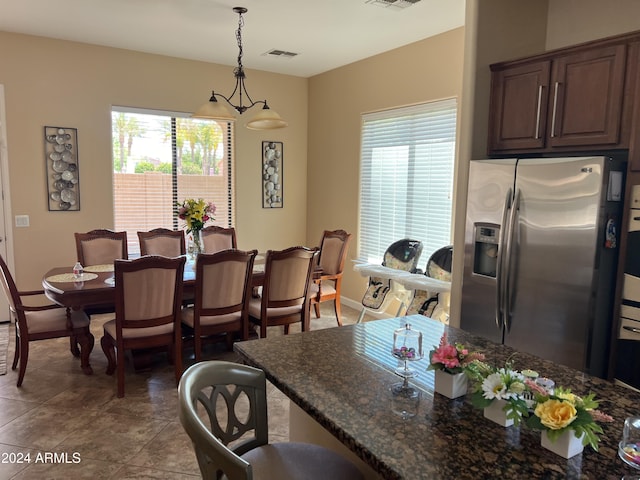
599, 416
534, 387
446, 355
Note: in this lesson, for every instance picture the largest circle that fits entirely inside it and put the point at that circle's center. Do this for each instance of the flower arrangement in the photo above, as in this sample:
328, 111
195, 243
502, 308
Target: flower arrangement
537, 403
452, 359
503, 383
562, 410
196, 213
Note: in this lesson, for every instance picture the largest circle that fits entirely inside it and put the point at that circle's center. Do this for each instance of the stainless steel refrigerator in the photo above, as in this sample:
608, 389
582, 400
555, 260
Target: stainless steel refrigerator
541, 254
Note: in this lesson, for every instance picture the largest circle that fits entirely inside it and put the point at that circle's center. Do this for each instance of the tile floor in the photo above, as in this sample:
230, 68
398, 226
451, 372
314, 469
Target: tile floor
73, 426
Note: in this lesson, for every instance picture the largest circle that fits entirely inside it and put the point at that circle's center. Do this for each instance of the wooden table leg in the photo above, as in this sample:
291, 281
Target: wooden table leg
86, 341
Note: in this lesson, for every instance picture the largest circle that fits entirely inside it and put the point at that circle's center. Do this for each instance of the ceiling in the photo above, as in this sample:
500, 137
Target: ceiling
325, 34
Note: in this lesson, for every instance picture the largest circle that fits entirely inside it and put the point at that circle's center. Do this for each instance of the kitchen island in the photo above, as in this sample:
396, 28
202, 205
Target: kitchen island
341, 378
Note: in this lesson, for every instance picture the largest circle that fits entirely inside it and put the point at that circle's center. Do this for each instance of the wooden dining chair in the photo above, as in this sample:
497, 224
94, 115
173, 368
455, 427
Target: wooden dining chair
163, 242
333, 252
43, 322
223, 408
285, 293
101, 247
216, 238
148, 294
222, 292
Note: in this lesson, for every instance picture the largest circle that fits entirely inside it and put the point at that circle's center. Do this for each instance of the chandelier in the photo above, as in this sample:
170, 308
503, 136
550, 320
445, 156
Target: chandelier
266, 119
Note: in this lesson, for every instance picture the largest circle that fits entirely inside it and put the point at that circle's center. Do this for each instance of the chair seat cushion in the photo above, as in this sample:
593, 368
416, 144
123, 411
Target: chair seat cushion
292, 460
255, 306
187, 318
54, 320
110, 328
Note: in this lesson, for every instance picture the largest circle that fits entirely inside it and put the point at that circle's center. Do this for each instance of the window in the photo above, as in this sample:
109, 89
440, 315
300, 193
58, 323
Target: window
160, 158
406, 178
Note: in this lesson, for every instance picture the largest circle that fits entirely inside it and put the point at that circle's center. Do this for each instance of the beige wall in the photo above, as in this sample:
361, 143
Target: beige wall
57, 83
578, 21
427, 70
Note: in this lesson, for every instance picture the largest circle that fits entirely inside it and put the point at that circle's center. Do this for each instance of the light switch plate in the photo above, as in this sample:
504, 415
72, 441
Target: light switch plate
22, 220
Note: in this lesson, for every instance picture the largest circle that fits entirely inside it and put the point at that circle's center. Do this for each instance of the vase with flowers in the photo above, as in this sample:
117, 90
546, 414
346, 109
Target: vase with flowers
451, 362
567, 421
502, 392
195, 213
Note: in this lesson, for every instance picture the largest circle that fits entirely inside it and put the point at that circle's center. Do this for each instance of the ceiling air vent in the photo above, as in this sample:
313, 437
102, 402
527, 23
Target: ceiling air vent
280, 53
396, 4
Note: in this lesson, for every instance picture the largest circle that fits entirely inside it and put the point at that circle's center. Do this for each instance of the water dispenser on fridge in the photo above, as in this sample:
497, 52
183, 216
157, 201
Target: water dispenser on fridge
485, 255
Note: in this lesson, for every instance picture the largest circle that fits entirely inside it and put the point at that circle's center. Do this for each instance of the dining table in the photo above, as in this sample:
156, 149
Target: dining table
342, 379
95, 285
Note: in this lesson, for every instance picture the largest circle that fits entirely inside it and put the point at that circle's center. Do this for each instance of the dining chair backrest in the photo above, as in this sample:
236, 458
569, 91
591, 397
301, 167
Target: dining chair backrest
162, 241
287, 275
333, 251
9, 287
101, 247
215, 239
223, 281
148, 292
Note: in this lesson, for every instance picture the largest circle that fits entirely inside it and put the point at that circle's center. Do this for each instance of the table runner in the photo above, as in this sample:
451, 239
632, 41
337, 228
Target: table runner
70, 277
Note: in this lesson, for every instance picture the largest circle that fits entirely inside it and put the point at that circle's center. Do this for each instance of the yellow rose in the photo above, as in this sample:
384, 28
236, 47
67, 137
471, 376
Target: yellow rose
555, 414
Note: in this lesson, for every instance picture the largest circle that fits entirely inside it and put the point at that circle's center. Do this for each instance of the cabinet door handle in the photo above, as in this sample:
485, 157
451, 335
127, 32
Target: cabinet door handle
538, 112
632, 329
555, 106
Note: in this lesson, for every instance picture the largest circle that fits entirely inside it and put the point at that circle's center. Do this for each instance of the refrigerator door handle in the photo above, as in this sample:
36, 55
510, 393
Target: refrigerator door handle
508, 259
500, 261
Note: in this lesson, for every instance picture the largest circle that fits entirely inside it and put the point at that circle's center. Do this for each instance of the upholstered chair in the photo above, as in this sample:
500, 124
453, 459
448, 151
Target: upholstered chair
101, 247
233, 443
333, 252
43, 322
162, 241
285, 293
148, 294
222, 292
216, 238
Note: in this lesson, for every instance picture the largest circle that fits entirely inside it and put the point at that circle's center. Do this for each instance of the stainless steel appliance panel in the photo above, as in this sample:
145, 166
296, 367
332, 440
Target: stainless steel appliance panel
490, 191
554, 257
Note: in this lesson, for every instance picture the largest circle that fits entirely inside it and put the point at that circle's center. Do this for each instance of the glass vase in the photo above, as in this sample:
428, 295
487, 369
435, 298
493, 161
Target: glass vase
197, 243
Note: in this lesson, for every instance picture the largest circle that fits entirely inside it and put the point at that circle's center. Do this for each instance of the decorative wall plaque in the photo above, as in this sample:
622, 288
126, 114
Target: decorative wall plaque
61, 152
272, 174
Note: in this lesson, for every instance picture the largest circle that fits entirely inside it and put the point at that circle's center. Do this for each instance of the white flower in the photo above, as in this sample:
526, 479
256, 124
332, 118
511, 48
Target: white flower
493, 387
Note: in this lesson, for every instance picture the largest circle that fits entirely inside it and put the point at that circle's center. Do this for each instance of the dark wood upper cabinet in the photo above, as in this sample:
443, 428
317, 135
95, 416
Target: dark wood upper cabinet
559, 102
518, 113
586, 101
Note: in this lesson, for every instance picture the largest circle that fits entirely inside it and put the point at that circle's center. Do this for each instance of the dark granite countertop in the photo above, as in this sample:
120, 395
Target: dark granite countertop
341, 377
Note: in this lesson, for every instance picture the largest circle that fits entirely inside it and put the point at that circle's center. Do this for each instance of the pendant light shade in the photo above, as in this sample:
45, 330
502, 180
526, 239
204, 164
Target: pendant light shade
265, 120
214, 110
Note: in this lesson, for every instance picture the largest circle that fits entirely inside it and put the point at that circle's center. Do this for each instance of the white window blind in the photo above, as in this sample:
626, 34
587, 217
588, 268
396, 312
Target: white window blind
160, 158
406, 178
